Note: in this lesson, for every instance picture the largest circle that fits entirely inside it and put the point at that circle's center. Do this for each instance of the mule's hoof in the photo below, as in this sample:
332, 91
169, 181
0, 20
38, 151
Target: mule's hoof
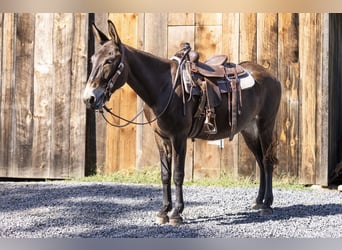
162, 219
257, 206
176, 221
266, 211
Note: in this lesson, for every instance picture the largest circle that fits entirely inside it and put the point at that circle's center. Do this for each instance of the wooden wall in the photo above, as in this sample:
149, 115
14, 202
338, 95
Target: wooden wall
292, 46
43, 72
45, 131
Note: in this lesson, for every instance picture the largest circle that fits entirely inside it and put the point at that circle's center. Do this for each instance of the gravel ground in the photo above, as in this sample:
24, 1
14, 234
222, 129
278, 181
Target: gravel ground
109, 210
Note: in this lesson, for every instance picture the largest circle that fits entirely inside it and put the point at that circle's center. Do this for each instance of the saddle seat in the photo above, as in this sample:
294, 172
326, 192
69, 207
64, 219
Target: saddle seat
215, 66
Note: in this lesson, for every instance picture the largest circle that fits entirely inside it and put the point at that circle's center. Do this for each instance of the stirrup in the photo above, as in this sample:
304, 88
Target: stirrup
210, 125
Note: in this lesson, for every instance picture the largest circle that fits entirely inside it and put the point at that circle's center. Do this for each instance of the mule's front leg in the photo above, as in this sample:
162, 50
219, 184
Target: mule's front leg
165, 152
178, 178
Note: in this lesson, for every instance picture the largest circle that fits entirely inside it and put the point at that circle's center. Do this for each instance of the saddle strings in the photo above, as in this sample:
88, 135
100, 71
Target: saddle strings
132, 121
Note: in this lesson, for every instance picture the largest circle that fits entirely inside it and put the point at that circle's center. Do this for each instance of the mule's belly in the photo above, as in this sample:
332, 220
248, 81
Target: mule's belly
246, 118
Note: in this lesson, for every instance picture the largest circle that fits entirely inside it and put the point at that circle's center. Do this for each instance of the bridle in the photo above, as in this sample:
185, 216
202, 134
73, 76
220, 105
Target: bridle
110, 90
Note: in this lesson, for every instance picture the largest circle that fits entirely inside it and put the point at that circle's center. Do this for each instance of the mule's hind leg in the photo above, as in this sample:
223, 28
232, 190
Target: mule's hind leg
251, 137
165, 152
269, 159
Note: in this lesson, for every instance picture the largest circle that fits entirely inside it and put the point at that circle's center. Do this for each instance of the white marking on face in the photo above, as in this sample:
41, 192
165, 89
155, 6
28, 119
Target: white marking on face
93, 97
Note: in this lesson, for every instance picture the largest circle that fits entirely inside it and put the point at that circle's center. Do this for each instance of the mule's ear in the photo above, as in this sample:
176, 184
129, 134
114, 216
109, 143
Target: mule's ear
99, 35
113, 33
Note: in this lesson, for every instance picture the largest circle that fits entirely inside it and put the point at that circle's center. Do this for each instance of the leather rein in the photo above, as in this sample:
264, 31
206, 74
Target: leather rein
109, 91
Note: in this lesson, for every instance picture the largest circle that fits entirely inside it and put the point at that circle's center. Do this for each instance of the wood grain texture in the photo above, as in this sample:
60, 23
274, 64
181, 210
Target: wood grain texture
7, 128
78, 81
37, 122
288, 75
24, 93
44, 63
248, 52
43, 97
310, 71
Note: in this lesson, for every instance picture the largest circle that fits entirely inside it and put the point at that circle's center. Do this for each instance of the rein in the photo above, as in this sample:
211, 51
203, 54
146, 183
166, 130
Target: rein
132, 121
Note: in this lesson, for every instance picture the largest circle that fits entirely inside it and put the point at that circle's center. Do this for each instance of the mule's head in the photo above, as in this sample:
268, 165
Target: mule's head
108, 69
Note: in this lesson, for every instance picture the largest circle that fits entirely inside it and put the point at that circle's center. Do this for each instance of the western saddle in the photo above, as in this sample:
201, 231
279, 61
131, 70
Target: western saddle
212, 77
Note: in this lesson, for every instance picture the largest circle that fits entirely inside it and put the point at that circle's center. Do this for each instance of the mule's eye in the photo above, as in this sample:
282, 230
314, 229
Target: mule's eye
109, 61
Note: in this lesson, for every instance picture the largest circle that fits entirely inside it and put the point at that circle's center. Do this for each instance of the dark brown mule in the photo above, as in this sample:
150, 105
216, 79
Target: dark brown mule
153, 79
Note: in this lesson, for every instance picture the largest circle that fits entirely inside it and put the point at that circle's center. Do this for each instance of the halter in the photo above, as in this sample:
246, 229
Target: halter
110, 90
110, 86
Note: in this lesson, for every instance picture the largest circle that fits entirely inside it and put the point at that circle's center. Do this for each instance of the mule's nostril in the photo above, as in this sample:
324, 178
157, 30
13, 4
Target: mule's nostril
92, 100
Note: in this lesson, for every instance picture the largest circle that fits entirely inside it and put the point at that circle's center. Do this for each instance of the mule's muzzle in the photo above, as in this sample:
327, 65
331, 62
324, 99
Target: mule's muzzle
90, 102
93, 98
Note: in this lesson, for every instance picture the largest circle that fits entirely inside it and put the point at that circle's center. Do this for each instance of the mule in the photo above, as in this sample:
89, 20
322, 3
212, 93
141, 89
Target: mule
156, 82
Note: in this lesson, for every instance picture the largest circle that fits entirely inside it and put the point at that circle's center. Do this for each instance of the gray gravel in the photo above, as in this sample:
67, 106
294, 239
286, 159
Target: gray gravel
102, 210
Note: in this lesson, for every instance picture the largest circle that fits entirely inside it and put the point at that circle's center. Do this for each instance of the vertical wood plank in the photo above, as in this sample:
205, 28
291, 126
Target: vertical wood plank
231, 36
208, 34
96, 126
3, 168
156, 35
309, 44
248, 37
140, 103
231, 47
178, 35
7, 129
43, 82
267, 49
322, 124
248, 52
208, 42
267, 40
181, 29
23, 94
155, 43
207, 159
123, 152
78, 82
288, 75
62, 51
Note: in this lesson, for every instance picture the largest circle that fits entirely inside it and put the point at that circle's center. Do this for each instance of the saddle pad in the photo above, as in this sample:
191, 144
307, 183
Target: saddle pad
247, 82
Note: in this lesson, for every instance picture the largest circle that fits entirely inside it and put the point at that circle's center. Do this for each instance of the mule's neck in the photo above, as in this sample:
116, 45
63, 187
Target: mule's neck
149, 76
